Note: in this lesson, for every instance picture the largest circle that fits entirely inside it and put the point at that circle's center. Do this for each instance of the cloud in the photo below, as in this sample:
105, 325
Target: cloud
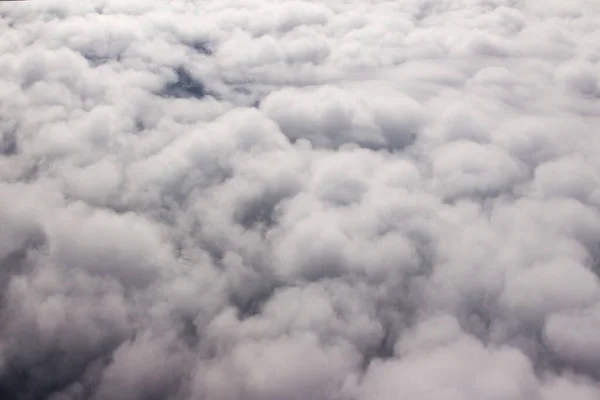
290, 199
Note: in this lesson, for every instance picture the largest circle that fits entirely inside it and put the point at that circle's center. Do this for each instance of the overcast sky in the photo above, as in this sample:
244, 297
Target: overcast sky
293, 200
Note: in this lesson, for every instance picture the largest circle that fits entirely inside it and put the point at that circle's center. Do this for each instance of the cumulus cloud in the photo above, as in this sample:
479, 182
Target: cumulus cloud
347, 200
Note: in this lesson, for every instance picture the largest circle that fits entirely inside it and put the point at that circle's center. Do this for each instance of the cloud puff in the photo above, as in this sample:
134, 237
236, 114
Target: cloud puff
291, 199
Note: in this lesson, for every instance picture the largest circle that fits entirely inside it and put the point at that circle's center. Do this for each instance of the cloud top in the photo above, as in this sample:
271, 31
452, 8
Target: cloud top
293, 199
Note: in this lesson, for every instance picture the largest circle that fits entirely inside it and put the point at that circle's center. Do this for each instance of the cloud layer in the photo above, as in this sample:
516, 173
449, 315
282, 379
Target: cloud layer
285, 200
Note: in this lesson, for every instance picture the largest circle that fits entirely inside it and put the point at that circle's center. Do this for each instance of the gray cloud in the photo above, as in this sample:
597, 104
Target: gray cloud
289, 199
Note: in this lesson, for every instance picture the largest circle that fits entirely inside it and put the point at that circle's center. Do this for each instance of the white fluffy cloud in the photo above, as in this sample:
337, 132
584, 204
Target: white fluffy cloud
253, 199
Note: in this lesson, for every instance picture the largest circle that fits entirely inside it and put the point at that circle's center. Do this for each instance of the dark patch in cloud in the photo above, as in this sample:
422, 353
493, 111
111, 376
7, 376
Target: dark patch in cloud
8, 144
249, 302
202, 47
185, 86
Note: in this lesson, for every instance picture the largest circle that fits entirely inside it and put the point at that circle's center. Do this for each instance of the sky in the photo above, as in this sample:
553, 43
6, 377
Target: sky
290, 200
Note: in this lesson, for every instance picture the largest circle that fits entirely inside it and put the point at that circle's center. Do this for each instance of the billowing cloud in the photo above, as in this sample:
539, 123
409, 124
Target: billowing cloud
349, 200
